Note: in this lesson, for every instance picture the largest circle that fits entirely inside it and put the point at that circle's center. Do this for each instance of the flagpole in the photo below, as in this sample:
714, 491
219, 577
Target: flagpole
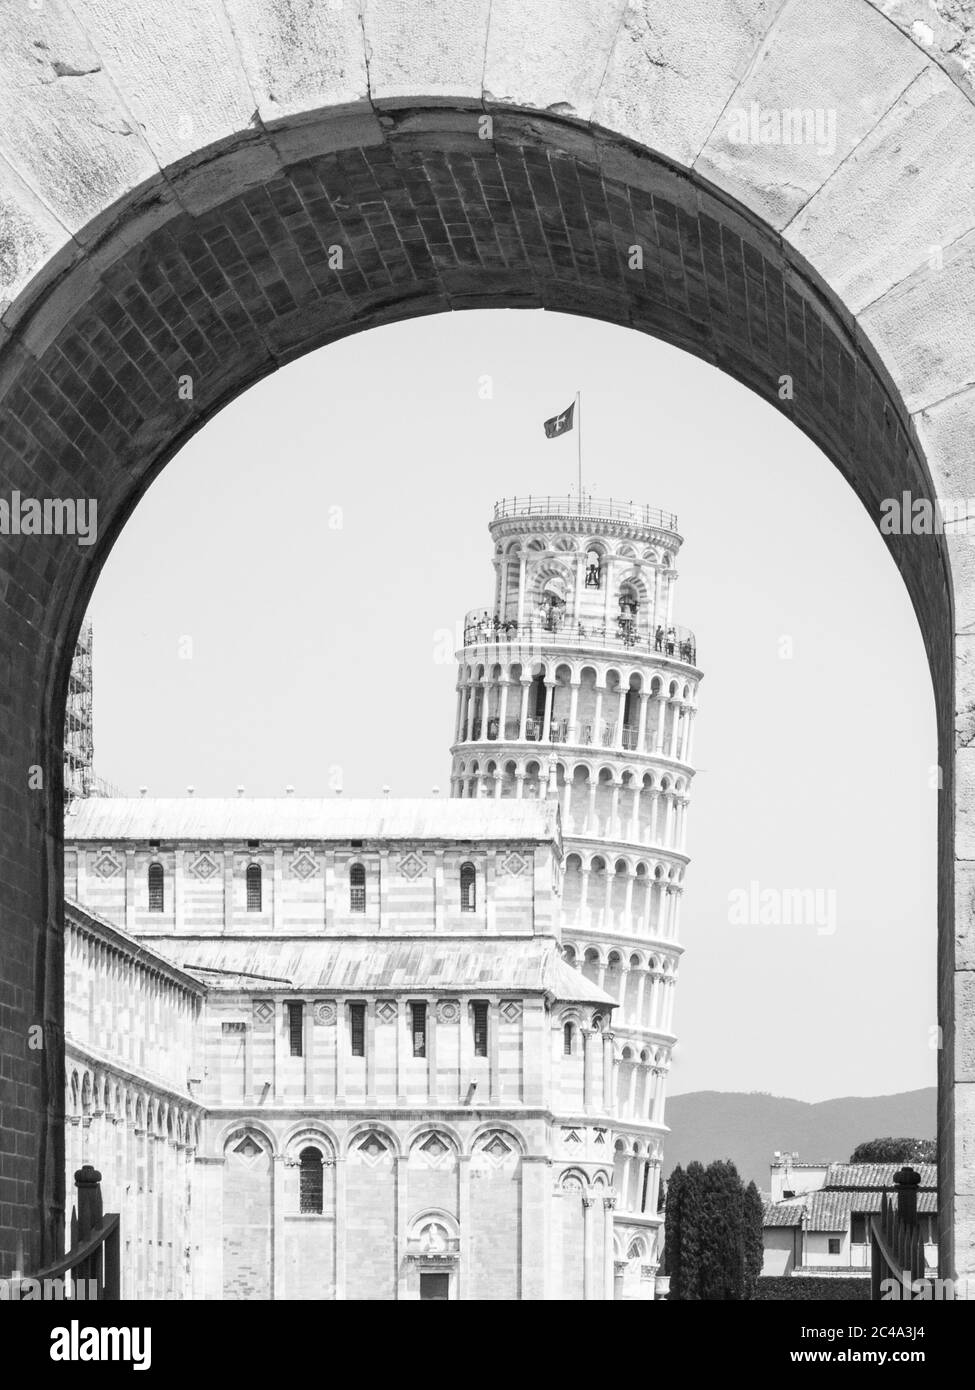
579, 442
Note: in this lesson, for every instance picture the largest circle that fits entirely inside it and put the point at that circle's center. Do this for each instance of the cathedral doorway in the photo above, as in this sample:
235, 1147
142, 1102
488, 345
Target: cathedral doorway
434, 1286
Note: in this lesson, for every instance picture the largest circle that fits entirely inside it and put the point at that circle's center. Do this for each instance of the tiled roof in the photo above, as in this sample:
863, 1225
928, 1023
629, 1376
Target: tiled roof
783, 1213
308, 818
427, 963
830, 1211
876, 1175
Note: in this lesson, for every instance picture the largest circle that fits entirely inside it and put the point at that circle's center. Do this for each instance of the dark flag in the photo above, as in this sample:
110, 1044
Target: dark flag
560, 424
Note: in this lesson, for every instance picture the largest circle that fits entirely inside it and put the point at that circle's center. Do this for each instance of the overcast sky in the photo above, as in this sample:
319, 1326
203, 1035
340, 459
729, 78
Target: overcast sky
318, 537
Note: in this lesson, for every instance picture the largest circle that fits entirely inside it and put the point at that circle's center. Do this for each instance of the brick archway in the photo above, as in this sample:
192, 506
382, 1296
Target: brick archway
221, 267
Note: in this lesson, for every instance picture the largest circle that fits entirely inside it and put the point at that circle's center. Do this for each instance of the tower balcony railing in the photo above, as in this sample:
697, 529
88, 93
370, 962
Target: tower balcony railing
601, 508
483, 628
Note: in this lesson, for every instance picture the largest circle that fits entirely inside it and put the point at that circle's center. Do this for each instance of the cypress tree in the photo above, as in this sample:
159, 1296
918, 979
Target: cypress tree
754, 1247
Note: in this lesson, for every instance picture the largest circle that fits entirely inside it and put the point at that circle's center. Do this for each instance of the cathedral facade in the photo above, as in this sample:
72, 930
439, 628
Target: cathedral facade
402, 1049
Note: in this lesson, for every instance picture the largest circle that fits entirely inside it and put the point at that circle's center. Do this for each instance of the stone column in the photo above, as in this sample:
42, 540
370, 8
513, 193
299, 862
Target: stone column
620, 715
523, 716
503, 708
634, 832
469, 712
642, 731
675, 729
640, 992
614, 811
587, 1248
597, 719
573, 732
609, 1092
661, 721
278, 1290
609, 1204
340, 1228
522, 568
654, 799
549, 703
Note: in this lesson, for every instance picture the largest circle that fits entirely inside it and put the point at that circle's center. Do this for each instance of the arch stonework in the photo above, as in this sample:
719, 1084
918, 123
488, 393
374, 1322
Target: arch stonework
165, 214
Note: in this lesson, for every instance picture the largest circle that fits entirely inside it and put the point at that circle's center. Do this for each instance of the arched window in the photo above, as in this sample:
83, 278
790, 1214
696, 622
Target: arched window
592, 569
156, 897
468, 888
357, 888
253, 888
567, 1040
311, 1182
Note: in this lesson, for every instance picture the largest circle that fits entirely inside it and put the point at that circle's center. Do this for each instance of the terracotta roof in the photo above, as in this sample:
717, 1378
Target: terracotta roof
830, 1211
308, 818
427, 963
876, 1175
783, 1213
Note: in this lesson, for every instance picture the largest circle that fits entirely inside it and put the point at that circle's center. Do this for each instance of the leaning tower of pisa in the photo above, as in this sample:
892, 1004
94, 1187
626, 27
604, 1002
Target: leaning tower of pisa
577, 683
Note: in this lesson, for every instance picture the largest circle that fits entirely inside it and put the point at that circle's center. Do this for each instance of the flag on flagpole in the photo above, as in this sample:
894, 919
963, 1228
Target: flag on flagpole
560, 424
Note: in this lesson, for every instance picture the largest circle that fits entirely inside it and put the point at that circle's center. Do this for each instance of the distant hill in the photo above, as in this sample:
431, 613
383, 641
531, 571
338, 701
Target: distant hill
748, 1126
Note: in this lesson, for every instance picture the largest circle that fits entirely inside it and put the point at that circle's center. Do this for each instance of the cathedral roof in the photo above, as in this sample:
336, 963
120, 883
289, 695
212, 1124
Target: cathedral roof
425, 964
310, 818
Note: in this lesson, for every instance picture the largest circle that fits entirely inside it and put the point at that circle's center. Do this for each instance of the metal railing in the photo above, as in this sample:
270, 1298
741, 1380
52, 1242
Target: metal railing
603, 509
483, 628
94, 1257
896, 1238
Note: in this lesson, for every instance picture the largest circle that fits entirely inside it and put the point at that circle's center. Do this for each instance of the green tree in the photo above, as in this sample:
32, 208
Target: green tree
713, 1248
895, 1151
752, 1222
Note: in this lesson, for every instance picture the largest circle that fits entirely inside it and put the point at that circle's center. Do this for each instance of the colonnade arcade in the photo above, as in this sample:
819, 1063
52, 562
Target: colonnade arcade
647, 711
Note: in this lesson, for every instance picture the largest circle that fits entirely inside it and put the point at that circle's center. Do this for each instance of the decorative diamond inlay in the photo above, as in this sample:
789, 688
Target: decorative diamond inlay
372, 1148
106, 865
386, 1011
411, 866
263, 1013
514, 864
511, 1010
435, 1147
247, 1148
304, 864
571, 1136
204, 866
497, 1148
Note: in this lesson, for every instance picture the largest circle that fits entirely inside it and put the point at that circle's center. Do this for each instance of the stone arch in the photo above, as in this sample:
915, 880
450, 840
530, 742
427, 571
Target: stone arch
880, 368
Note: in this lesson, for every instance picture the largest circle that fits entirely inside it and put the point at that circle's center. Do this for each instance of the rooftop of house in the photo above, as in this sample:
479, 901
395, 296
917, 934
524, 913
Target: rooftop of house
848, 1188
446, 819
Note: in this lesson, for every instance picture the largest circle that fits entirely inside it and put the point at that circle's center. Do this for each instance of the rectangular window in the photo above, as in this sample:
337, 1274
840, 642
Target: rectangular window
418, 1014
296, 1028
833, 1245
357, 1028
480, 1012
858, 1228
